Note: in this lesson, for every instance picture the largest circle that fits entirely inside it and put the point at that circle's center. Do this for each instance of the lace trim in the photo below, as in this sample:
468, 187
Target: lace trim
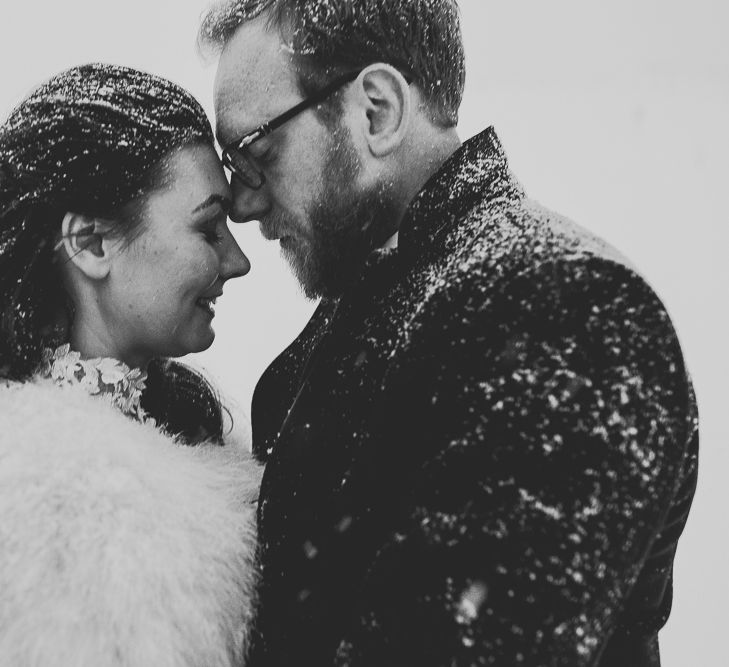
105, 377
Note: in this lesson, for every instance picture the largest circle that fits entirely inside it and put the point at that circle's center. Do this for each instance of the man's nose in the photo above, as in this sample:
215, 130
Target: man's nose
248, 204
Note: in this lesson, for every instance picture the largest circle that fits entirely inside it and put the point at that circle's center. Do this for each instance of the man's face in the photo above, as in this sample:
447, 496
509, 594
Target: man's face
325, 221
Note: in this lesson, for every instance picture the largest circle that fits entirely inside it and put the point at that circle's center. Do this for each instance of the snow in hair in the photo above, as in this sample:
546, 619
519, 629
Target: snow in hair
422, 38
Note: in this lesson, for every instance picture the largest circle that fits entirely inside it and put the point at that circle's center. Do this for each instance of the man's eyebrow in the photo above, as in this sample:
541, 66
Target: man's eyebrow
224, 202
220, 137
224, 135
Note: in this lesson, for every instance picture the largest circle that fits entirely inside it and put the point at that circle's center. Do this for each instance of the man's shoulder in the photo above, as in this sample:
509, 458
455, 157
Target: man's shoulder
508, 259
498, 242
522, 234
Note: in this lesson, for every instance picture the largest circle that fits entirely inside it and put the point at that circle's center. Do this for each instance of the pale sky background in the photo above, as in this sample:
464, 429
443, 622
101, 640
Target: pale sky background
613, 113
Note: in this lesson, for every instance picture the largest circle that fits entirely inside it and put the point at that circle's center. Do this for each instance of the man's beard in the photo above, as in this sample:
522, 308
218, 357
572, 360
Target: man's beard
345, 225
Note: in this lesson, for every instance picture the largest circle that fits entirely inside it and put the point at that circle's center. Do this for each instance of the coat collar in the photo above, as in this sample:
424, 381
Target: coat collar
476, 172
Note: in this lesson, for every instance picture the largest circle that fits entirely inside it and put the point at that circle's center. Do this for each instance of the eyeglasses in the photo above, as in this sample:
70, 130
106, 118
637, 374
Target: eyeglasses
236, 155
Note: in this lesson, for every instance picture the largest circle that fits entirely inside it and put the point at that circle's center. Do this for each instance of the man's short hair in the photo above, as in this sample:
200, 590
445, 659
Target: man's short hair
421, 38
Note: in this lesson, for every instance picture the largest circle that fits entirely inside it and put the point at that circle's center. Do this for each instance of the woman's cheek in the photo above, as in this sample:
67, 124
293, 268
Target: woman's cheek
208, 267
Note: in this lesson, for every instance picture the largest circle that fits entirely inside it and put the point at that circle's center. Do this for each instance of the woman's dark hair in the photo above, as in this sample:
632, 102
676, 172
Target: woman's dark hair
182, 400
93, 140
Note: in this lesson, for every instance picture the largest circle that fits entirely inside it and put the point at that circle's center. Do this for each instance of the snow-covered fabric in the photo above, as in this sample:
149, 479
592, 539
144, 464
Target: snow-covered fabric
119, 547
484, 453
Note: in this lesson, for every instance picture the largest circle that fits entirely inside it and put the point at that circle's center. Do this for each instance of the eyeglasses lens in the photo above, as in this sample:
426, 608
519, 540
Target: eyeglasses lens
244, 168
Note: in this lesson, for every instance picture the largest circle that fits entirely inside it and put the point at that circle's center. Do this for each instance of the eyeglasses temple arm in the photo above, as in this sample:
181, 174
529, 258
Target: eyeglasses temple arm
315, 99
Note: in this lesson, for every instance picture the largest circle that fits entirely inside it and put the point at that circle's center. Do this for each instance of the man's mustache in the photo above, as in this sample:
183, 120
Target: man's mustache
274, 226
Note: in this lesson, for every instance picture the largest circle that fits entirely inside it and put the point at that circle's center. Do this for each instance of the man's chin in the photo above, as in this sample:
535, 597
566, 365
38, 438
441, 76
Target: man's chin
299, 260
290, 245
319, 275
330, 262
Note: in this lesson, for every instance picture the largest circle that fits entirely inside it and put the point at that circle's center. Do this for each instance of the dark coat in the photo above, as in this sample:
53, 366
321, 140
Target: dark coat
484, 452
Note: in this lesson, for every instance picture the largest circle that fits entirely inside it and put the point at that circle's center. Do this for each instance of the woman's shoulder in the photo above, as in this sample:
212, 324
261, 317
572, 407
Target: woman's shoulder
106, 520
45, 425
39, 408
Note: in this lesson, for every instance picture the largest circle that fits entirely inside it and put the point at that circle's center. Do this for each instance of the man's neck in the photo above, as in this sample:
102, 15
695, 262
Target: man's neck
426, 158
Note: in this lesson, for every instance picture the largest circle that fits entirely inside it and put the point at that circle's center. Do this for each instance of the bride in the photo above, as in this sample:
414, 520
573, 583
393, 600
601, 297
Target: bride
126, 507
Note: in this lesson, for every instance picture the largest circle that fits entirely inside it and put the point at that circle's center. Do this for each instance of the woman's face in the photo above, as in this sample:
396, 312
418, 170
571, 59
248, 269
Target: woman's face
160, 291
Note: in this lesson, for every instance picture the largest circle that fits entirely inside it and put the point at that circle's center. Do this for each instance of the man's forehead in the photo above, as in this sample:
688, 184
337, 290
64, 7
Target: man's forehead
255, 79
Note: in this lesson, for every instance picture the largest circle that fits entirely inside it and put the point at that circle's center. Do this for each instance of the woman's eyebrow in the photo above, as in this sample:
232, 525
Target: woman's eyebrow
224, 203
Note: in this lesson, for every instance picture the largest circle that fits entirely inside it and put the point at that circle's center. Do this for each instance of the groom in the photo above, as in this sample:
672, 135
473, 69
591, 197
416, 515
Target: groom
482, 447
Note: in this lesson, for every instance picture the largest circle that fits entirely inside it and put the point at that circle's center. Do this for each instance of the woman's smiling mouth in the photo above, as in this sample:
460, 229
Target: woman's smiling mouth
207, 304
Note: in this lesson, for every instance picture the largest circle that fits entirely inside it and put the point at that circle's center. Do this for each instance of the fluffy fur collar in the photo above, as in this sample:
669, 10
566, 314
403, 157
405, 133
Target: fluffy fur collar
117, 546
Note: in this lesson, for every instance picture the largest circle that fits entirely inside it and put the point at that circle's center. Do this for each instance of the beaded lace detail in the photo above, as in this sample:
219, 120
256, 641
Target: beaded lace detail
105, 377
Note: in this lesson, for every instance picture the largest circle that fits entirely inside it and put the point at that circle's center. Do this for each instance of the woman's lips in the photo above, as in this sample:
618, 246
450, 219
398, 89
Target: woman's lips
207, 304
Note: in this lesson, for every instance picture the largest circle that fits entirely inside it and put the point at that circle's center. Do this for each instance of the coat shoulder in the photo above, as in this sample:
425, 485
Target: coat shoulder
498, 243
523, 234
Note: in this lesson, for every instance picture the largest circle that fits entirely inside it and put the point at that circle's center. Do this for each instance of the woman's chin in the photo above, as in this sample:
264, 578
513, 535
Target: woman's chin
205, 340
199, 342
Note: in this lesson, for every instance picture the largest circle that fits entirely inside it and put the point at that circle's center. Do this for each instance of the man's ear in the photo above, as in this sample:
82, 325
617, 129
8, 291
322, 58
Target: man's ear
86, 244
386, 98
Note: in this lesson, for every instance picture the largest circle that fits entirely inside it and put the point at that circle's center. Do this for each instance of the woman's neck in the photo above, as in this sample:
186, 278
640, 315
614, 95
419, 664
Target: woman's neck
91, 343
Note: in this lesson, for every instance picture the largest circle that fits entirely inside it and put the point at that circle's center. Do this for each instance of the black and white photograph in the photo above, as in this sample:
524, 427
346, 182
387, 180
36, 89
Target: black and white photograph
363, 333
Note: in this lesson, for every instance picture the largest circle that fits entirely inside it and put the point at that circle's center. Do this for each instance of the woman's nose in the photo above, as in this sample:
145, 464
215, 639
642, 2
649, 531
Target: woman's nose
234, 262
248, 204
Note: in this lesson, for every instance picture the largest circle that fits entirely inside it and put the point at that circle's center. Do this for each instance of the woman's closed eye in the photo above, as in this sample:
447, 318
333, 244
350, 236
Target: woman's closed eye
211, 232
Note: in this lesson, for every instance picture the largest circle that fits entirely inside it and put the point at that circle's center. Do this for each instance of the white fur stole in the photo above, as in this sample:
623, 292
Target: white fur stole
119, 547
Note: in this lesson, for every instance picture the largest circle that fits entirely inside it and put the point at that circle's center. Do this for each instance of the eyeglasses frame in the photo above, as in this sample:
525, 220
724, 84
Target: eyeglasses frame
240, 145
